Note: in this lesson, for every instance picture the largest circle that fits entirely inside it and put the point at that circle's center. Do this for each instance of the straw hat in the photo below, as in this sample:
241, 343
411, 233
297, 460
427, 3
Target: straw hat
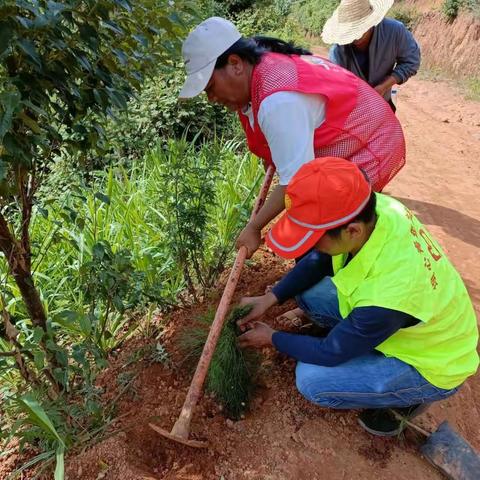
353, 18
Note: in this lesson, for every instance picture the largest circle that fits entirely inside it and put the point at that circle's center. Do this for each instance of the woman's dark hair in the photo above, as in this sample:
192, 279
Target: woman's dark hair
365, 216
251, 49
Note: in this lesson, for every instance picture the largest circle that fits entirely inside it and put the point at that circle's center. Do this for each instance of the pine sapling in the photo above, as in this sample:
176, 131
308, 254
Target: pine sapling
231, 374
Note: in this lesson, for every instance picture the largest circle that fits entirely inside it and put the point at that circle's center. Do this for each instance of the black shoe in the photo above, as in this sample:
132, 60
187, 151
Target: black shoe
384, 423
315, 330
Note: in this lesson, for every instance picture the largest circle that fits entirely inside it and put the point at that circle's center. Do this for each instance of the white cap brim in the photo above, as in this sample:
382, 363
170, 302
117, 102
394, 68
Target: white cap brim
195, 83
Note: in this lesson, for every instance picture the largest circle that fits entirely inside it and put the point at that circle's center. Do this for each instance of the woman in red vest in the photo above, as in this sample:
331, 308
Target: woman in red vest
293, 107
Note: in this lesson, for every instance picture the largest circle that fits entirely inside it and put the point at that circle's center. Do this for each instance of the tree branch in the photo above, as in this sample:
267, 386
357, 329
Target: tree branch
8, 354
27, 202
7, 241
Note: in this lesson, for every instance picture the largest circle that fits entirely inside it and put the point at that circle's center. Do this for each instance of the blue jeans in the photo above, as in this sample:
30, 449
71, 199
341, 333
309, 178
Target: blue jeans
369, 381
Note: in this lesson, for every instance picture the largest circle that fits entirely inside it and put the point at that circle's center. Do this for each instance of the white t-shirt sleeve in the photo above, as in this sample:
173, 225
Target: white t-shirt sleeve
288, 120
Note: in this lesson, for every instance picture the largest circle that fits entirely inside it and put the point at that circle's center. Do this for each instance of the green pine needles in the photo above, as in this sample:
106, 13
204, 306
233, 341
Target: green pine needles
231, 374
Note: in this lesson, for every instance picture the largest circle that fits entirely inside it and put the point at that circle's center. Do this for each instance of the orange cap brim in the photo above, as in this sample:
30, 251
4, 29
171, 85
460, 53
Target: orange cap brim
290, 240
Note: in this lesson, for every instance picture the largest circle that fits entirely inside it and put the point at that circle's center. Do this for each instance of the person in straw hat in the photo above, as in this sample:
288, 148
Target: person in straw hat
379, 50
293, 107
403, 328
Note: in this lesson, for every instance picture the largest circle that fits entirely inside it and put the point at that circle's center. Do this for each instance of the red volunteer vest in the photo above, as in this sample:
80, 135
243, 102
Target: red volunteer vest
359, 125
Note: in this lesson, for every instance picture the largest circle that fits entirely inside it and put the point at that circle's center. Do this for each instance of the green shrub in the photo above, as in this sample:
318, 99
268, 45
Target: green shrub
271, 20
157, 115
282, 7
255, 21
311, 15
202, 207
450, 8
473, 88
408, 16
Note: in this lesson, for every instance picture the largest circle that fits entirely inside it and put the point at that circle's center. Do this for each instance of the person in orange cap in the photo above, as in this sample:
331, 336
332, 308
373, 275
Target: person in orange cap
403, 329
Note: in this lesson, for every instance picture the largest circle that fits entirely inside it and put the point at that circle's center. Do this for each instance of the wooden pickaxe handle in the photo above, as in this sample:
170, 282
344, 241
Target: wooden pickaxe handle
182, 425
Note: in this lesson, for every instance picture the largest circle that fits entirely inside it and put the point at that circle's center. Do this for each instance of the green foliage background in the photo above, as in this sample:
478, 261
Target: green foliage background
312, 15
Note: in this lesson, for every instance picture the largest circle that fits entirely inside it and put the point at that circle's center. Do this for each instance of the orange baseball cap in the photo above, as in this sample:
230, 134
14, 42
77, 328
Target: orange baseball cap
325, 193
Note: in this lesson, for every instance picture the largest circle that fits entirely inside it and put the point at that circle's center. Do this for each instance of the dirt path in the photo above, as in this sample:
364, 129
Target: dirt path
284, 437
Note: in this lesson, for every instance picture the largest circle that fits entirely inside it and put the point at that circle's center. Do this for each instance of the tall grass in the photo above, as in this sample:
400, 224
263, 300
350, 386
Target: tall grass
128, 211
473, 88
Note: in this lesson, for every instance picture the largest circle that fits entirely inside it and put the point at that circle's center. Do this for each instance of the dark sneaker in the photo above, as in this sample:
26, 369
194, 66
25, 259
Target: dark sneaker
315, 330
383, 422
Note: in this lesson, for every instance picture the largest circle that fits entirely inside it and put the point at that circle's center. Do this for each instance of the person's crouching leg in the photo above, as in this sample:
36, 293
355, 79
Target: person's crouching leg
313, 382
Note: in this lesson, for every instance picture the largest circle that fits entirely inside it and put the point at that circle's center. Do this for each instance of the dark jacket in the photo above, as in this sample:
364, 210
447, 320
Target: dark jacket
392, 51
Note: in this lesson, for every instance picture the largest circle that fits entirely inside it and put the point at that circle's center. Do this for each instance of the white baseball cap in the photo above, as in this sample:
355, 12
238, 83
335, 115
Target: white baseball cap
201, 49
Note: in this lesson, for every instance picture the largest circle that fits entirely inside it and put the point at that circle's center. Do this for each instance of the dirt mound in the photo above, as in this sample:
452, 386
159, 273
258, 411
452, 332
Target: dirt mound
453, 47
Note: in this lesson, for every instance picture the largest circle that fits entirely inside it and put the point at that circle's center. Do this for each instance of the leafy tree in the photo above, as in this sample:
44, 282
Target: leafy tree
64, 65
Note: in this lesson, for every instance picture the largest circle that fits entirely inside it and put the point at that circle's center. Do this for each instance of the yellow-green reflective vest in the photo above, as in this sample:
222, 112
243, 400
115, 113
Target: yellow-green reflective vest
402, 268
